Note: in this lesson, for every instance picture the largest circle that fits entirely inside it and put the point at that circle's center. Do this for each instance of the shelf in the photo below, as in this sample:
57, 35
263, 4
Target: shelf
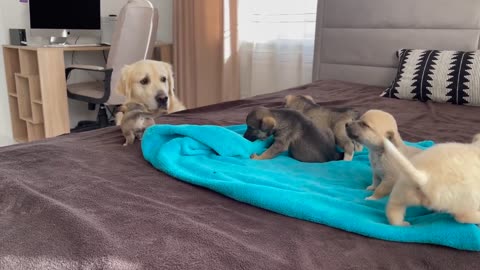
19, 126
20, 139
28, 62
12, 66
39, 102
12, 95
37, 113
35, 131
23, 95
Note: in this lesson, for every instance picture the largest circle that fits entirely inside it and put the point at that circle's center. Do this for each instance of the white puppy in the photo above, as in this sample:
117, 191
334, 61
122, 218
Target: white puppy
445, 178
369, 130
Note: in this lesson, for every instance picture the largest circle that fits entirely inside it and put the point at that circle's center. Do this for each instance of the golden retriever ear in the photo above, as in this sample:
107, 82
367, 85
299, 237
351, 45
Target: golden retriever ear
171, 83
123, 86
268, 123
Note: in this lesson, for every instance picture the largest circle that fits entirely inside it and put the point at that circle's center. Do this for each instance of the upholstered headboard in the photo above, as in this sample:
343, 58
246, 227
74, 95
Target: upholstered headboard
356, 40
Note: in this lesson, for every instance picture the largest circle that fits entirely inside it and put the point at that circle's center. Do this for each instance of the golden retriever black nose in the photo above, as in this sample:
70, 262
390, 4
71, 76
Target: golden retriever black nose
162, 100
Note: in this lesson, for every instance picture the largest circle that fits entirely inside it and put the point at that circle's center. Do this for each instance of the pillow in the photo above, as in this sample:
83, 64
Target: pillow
440, 76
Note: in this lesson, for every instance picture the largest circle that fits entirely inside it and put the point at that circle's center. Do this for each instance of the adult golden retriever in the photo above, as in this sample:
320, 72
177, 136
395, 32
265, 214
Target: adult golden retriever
151, 84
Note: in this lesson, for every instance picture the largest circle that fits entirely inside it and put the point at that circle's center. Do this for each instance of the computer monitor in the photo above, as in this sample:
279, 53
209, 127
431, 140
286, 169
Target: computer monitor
59, 18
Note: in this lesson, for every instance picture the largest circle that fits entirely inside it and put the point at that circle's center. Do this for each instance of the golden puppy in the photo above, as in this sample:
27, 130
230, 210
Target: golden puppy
151, 84
370, 130
445, 178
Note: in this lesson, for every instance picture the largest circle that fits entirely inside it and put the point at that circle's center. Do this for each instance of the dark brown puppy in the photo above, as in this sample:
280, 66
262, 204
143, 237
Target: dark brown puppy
327, 118
135, 120
293, 132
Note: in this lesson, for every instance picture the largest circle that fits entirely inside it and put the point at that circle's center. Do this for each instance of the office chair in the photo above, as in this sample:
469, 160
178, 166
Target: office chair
133, 39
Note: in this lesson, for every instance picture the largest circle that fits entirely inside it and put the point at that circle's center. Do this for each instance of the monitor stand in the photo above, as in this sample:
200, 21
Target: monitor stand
59, 40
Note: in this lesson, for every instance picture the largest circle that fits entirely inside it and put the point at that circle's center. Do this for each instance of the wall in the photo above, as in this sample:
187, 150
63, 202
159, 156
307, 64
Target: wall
14, 14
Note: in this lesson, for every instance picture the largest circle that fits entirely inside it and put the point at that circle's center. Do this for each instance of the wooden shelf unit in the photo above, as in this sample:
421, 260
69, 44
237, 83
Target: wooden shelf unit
37, 88
36, 92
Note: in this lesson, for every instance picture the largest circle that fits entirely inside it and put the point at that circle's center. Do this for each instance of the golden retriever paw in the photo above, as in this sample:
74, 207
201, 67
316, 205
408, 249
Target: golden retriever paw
371, 198
371, 187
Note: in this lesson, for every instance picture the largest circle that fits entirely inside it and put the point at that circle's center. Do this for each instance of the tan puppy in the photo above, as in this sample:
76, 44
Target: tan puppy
134, 122
149, 83
445, 178
327, 118
370, 130
292, 131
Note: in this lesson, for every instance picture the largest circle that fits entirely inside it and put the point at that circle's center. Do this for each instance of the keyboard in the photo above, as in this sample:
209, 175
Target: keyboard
71, 45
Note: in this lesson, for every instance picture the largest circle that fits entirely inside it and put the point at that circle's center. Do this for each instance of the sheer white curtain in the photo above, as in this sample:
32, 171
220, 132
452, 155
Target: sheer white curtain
276, 41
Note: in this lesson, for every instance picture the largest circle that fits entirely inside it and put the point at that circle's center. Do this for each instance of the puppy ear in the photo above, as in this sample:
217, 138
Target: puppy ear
288, 99
476, 139
390, 135
171, 83
268, 123
309, 98
123, 86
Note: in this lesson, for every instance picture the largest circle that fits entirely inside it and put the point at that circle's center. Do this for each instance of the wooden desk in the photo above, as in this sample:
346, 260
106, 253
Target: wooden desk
37, 88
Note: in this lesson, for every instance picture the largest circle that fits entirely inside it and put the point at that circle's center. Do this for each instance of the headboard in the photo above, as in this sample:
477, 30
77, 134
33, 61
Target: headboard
356, 40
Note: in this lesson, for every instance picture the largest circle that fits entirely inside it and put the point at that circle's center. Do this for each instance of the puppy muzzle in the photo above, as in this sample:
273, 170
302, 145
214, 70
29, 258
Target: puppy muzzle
250, 137
162, 100
350, 131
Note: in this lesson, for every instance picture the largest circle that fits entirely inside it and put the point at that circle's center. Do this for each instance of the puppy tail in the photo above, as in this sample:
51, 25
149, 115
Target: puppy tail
402, 164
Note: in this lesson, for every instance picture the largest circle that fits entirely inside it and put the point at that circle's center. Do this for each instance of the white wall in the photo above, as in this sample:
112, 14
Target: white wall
14, 14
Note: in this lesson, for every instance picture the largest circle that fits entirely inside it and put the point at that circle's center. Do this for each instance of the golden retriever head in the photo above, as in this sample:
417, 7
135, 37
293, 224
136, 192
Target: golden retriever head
149, 83
372, 127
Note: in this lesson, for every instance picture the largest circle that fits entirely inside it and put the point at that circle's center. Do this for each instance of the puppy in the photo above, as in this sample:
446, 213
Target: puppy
325, 118
134, 122
293, 132
445, 178
151, 84
370, 130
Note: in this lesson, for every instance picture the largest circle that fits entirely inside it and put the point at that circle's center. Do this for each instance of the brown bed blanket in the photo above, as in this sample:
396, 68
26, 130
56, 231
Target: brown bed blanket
83, 201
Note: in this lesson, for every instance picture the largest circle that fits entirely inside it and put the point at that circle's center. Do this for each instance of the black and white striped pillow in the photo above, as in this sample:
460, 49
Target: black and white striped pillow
440, 76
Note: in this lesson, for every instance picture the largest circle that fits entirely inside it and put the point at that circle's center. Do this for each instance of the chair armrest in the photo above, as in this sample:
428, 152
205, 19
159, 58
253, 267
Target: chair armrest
107, 71
107, 79
85, 67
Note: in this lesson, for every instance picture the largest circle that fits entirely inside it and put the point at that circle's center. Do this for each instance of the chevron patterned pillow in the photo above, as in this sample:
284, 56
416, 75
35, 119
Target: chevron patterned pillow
440, 76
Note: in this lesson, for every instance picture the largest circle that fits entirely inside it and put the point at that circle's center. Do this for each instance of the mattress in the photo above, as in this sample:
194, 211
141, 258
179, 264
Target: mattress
83, 201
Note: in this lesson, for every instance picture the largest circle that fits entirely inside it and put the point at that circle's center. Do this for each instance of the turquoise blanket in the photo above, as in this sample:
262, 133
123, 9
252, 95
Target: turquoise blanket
330, 193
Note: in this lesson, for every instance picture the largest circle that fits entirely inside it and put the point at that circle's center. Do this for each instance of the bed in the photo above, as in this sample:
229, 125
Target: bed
82, 201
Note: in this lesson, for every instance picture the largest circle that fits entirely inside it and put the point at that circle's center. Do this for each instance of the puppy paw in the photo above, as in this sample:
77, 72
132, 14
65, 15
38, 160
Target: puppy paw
358, 147
348, 157
125, 144
254, 156
371, 187
405, 224
371, 198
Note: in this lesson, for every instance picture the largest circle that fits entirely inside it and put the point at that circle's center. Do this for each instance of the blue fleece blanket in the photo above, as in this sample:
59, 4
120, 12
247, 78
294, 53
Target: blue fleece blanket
330, 193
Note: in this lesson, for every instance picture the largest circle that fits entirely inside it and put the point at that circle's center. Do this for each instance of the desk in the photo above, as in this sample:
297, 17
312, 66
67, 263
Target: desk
37, 88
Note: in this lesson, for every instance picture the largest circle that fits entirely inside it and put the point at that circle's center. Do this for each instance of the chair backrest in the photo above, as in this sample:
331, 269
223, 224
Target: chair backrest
136, 22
